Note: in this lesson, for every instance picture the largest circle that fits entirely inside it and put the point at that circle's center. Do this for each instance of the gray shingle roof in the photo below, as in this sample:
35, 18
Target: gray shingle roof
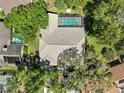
4, 35
12, 50
118, 71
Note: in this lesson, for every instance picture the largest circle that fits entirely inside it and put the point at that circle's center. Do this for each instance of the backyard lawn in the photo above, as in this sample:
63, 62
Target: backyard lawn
94, 42
34, 45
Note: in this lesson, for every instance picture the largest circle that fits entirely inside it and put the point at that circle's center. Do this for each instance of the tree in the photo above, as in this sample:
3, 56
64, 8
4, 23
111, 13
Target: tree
104, 21
69, 57
73, 4
33, 76
77, 3
91, 76
60, 5
119, 47
12, 84
26, 20
38, 75
108, 53
98, 80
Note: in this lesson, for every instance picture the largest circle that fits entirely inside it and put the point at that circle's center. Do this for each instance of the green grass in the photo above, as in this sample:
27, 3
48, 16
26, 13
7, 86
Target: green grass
34, 45
94, 42
25, 50
41, 89
8, 68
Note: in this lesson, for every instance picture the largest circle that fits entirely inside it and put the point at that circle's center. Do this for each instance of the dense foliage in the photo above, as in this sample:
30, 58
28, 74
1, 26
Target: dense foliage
108, 53
73, 4
89, 76
84, 72
26, 20
32, 76
104, 20
12, 84
119, 47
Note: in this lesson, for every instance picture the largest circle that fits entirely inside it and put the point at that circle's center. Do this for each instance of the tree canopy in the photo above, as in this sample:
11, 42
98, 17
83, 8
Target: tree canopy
32, 76
105, 21
90, 76
63, 4
12, 84
27, 19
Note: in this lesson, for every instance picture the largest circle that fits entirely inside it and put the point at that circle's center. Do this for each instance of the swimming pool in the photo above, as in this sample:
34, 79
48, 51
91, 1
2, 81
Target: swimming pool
69, 21
121, 90
17, 41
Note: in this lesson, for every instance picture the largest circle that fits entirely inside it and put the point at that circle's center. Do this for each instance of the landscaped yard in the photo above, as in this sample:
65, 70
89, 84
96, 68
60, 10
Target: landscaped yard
34, 45
8, 68
94, 42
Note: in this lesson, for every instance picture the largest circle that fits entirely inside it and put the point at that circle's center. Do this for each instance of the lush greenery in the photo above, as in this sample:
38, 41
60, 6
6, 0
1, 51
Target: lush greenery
119, 47
27, 19
34, 44
62, 5
105, 21
8, 68
12, 84
85, 73
32, 76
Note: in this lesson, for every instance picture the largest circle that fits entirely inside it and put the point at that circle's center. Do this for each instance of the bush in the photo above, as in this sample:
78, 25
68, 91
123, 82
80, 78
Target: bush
27, 20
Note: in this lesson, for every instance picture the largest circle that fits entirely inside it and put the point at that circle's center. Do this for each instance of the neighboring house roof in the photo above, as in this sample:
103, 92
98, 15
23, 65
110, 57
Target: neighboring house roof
117, 71
114, 63
5, 38
7, 5
55, 39
4, 35
12, 50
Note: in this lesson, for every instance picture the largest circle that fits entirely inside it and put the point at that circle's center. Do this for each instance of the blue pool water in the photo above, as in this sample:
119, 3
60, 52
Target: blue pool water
69, 22
122, 91
18, 41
